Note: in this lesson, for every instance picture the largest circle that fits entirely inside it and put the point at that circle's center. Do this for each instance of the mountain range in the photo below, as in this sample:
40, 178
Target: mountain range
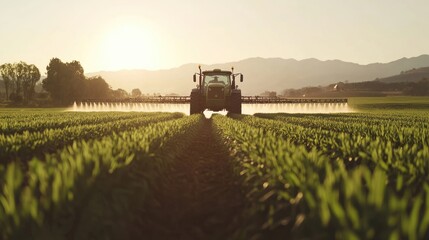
263, 74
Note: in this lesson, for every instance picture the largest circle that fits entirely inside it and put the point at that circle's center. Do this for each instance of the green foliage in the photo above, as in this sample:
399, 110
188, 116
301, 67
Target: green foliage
97, 88
325, 176
19, 80
15, 122
67, 193
346, 176
27, 144
390, 104
64, 81
8, 76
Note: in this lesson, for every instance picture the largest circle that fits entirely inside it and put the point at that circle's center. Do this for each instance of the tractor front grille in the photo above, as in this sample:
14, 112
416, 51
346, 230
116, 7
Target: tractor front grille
215, 93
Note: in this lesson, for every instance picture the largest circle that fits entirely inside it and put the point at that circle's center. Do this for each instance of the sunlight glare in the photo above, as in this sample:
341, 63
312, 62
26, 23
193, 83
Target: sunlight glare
128, 46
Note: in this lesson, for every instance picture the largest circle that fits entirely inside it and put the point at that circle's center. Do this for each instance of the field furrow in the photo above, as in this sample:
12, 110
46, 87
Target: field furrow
199, 196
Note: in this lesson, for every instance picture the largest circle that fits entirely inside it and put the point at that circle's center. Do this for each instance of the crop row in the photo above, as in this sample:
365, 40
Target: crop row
28, 144
42, 121
370, 124
406, 118
86, 182
402, 153
298, 184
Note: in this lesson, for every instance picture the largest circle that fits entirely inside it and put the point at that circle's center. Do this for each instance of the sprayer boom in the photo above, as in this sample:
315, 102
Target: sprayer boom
153, 99
259, 99
244, 99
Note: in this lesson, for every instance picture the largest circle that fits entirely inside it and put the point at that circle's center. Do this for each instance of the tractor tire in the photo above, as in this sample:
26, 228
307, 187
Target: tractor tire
235, 102
196, 103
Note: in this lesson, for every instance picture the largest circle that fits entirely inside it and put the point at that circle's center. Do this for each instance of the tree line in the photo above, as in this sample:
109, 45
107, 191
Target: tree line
65, 83
19, 80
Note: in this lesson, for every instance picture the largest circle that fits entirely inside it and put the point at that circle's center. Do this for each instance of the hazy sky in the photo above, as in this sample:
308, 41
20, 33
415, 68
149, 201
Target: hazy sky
130, 34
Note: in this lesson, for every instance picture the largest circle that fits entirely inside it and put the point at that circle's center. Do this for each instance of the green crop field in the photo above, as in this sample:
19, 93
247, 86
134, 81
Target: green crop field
131, 175
405, 104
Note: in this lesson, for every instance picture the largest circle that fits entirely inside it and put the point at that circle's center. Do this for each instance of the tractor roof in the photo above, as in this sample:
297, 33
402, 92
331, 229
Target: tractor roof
217, 72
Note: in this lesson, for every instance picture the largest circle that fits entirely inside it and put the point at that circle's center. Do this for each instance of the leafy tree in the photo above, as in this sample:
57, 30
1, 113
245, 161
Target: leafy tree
120, 93
64, 81
32, 75
20, 71
96, 87
6, 72
136, 92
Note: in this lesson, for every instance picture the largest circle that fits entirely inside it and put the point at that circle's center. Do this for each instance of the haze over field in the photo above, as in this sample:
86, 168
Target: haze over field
133, 34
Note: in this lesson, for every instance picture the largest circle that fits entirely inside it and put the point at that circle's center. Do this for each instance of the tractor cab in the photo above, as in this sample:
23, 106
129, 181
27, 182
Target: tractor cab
217, 76
216, 91
216, 86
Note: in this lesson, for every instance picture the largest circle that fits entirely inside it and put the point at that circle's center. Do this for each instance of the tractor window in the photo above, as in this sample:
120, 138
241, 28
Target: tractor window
216, 79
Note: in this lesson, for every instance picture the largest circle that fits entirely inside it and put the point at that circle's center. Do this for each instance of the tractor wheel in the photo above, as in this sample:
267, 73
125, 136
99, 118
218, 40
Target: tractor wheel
235, 102
196, 104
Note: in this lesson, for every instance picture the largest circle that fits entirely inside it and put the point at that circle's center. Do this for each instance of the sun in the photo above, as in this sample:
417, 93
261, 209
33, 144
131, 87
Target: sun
128, 46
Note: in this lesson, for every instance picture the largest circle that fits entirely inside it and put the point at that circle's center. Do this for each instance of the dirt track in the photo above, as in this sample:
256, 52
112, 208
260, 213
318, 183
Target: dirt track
200, 198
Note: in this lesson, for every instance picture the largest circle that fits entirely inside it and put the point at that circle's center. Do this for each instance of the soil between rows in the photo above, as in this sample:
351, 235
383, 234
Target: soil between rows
200, 198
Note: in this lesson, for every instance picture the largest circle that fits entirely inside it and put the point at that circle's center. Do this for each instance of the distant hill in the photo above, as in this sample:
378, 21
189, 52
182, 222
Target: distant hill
414, 82
261, 74
413, 75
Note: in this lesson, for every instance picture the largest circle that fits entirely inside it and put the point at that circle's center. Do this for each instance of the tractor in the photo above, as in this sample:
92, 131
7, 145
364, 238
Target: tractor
216, 91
